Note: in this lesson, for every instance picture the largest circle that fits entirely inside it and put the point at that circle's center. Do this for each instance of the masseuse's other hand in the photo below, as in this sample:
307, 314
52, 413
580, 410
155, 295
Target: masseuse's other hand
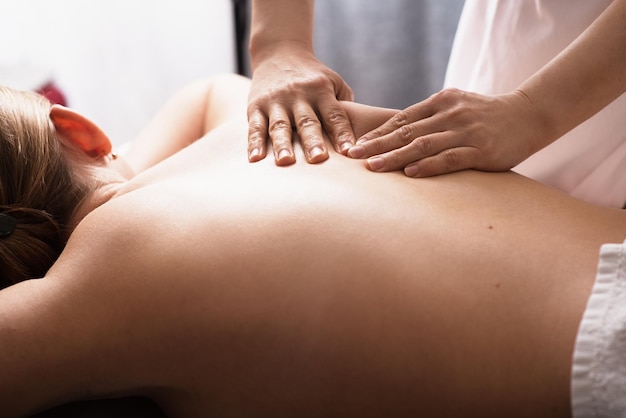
291, 89
451, 131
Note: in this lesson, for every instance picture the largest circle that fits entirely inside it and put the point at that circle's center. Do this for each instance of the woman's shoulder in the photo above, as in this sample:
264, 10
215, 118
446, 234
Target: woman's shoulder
104, 252
146, 234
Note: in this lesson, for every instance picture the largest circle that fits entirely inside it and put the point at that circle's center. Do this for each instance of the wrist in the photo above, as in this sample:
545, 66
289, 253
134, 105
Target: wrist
542, 127
262, 50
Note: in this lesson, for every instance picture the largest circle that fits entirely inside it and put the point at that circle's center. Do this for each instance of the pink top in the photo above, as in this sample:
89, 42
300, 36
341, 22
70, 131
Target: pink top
499, 44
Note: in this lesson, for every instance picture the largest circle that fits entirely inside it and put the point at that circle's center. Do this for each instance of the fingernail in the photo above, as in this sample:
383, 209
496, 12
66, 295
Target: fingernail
283, 155
376, 163
410, 170
315, 152
254, 154
343, 148
356, 151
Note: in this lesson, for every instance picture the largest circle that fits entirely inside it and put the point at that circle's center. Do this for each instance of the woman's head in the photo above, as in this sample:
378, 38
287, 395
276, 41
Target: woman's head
37, 187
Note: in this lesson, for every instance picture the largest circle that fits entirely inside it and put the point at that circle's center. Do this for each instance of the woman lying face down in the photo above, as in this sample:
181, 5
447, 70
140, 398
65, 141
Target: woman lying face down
217, 287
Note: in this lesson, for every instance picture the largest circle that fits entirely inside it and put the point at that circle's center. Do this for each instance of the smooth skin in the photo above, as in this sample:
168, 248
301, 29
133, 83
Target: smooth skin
222, 288
453, 129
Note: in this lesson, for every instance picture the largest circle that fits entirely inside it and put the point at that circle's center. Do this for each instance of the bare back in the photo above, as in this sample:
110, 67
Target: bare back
218, 286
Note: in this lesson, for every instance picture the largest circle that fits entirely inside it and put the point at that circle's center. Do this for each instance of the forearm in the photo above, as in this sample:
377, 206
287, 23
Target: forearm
583, 79
278, 21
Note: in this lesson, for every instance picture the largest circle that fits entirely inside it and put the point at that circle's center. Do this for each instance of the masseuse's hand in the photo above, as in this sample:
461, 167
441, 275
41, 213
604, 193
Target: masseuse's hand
290, 90
454, 130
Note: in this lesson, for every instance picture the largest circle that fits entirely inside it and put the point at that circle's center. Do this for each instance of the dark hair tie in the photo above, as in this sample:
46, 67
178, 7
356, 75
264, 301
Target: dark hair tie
7, 225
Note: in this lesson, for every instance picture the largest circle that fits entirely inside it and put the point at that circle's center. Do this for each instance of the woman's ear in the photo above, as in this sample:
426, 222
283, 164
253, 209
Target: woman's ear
81, 131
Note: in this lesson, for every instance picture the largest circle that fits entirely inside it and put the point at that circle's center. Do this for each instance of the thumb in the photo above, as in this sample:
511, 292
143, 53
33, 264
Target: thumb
345, 92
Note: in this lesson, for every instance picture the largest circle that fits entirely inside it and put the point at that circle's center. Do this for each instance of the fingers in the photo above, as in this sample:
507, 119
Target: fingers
447, 161
335, 119
417, 141
309, 130
280, 132
257, 135
405, 118
337, 124
399, 134
278, 127
308, 126
429, 155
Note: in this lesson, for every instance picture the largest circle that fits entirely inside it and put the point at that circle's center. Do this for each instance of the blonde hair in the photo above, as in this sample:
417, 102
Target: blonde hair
38, 187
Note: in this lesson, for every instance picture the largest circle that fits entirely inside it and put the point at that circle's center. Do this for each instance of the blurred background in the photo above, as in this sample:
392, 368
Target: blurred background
117, 61
393, 53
